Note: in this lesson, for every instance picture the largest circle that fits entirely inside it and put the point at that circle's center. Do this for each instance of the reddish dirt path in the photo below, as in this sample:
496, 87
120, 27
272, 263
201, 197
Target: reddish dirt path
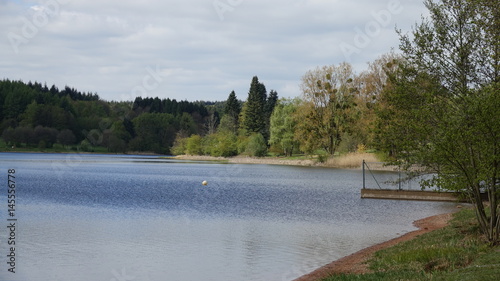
356, 263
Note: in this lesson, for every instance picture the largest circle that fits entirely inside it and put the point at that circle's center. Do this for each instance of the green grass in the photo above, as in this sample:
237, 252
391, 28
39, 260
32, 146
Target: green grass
456, 252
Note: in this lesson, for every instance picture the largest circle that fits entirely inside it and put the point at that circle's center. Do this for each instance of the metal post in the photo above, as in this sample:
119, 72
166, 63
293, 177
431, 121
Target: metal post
363, 173
399, 178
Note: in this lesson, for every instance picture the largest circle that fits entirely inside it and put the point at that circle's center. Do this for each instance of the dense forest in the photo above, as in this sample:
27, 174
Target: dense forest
34, 115
335, 111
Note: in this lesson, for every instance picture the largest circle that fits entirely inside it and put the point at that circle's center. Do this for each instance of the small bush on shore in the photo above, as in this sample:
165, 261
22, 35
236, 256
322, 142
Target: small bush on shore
256, 146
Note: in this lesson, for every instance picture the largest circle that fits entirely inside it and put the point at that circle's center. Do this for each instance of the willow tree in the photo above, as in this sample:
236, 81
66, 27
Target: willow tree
445, 103
327, 108
372, 83
283, 124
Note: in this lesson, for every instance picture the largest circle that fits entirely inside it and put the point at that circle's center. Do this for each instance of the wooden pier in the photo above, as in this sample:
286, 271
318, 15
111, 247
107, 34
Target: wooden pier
400, 193
418, 195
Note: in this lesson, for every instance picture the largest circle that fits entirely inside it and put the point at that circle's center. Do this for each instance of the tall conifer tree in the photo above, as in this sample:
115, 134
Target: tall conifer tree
232, 107
232, 110
253, 113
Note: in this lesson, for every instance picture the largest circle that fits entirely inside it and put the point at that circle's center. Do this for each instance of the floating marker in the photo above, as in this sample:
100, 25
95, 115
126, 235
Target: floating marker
204, 182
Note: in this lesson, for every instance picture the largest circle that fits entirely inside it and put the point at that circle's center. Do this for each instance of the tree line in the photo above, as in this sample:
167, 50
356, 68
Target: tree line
34, 115
243, 127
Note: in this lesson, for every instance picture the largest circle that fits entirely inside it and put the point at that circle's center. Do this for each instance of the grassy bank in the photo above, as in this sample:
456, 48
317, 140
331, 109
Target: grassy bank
456, 252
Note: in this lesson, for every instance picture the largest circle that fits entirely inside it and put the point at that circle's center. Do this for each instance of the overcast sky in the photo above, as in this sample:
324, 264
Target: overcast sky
192, 49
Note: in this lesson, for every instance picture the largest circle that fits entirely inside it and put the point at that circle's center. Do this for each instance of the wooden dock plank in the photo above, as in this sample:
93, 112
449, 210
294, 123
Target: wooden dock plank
420, 195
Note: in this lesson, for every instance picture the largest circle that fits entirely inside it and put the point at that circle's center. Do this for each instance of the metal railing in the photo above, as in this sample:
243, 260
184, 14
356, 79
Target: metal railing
384, 177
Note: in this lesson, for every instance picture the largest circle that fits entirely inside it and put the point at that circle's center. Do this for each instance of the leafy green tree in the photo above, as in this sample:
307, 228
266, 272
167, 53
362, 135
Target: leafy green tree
86, 146
47, 116
8, 136
45, 135
179, 146
155, 132
445, 100
115, 144
194, 145
241, 144
187, 125
228, 123
271, 102
24, 135
66, 137
327, 111
283, 125
16, 97
489, 55
119, 130
371, 84
222, 144
256, 146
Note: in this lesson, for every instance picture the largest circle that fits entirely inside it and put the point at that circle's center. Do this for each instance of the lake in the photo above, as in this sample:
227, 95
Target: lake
146, 218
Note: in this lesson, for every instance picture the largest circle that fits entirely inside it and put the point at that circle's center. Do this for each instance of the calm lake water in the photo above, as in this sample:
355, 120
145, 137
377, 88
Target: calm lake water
121, 218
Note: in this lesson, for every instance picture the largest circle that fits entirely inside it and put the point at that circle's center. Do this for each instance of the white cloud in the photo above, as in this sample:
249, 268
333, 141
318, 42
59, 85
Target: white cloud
107, 46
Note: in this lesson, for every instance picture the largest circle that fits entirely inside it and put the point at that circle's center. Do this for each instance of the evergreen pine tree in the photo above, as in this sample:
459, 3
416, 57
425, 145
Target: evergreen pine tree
232, 110
253, 114
271, 102
232, 107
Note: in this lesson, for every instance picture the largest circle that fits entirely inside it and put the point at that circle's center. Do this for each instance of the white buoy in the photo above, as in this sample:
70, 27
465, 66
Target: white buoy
204, 182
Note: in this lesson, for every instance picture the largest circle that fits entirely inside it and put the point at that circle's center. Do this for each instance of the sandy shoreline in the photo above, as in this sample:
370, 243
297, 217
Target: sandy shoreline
352, 161
248, 160
356, 263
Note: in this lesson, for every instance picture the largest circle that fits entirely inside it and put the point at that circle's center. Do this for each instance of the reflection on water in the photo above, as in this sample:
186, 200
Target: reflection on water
143, 218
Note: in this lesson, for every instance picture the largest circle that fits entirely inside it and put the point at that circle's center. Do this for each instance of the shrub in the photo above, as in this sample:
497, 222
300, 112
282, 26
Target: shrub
194, 145
179, 147
256, 146
224, 144
242, 144
86, 146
